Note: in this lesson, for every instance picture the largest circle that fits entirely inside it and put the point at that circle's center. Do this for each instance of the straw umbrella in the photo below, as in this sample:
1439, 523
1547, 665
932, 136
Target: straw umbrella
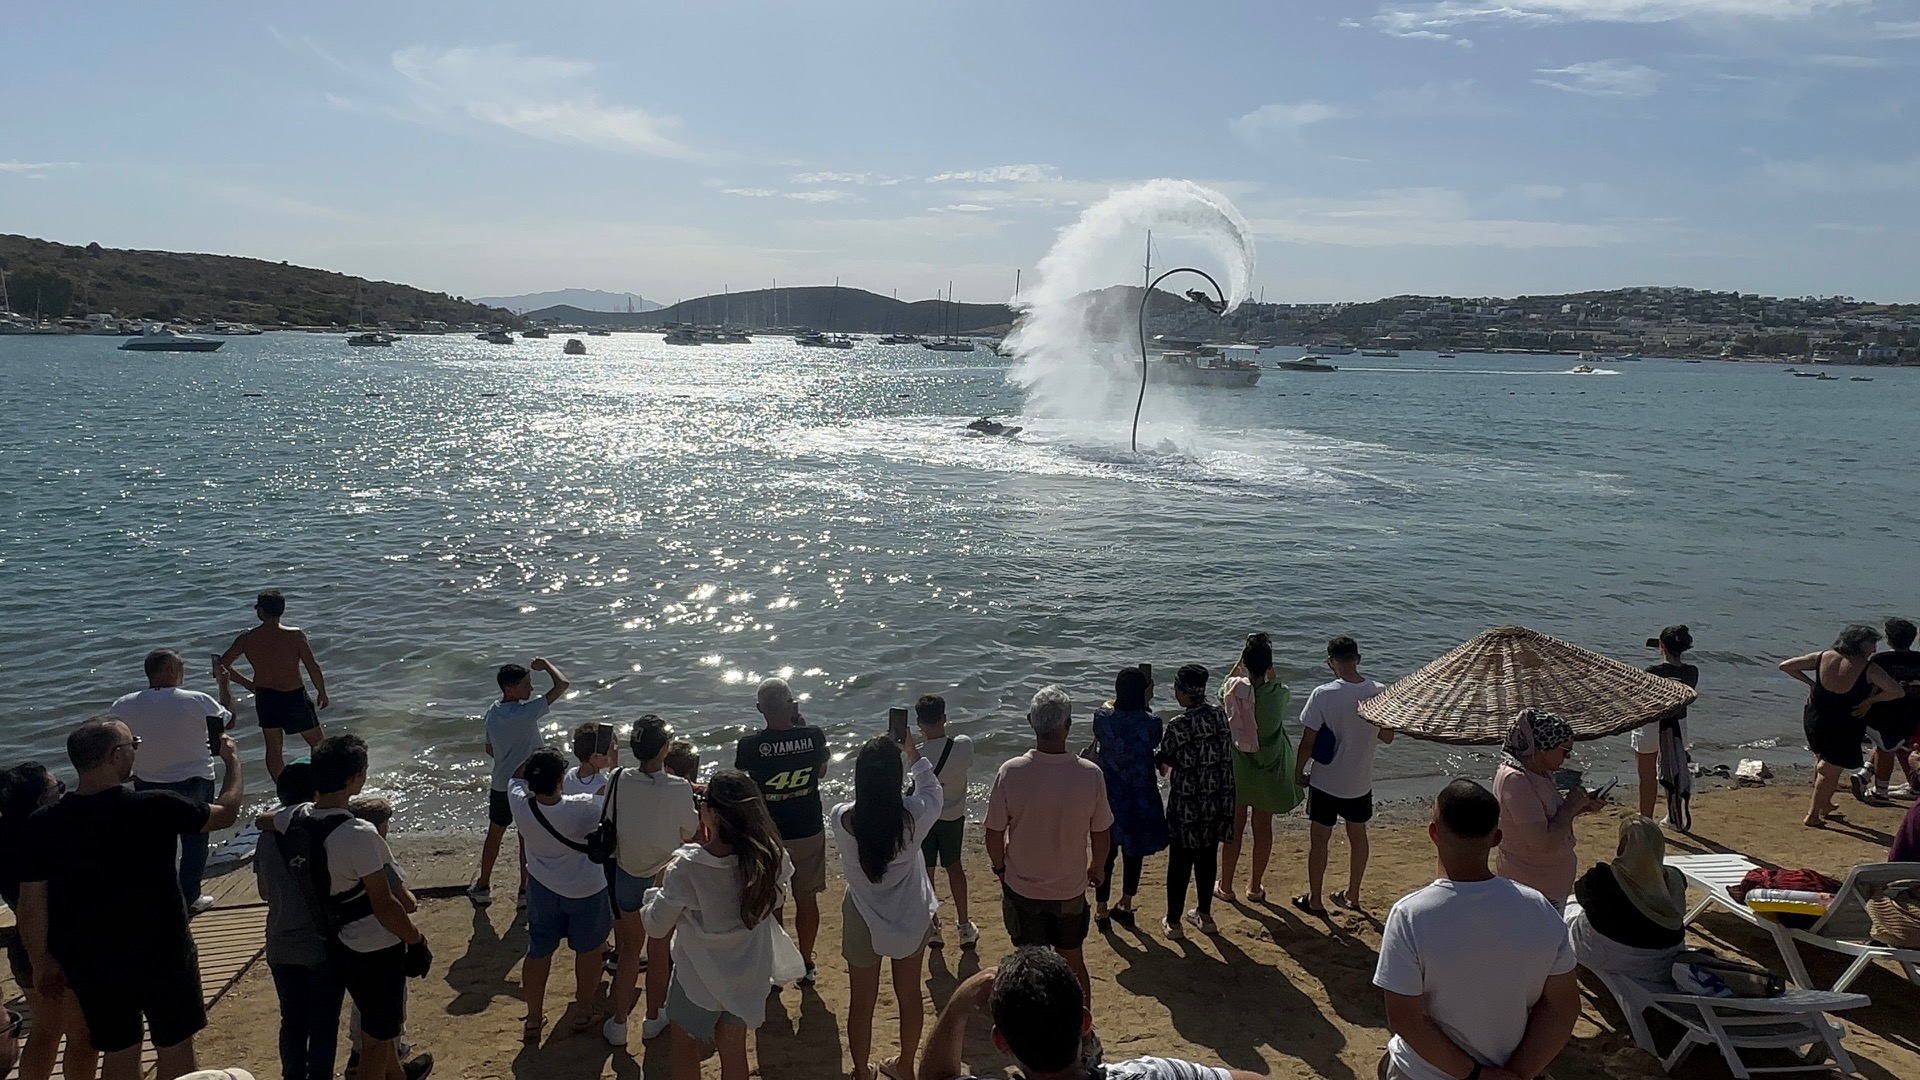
1471, 695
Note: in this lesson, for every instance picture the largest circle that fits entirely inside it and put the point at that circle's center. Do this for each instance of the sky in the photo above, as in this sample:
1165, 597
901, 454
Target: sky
1458, 147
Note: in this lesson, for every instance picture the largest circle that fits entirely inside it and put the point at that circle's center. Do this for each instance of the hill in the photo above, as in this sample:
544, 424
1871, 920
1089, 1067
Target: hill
61, 280
584, 299
824, 307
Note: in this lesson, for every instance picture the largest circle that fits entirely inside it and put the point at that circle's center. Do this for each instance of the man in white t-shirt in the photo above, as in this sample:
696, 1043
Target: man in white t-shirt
1341, 786
171, 724
566, 890
378, 949
1040, 1017
1477, 969
951, 756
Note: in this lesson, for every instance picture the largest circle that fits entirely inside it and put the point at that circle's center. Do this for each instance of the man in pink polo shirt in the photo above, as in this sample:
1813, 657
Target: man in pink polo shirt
1048, 807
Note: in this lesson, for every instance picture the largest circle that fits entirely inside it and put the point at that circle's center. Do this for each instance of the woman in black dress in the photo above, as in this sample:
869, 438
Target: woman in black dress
1843, 683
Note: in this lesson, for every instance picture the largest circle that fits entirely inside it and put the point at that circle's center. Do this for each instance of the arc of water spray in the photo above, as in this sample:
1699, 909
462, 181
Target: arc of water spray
1133, 439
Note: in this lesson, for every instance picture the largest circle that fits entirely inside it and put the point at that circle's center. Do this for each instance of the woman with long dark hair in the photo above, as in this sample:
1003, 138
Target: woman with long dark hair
1263, 762
24, 789
717, 899
1128, 732
1842, 684
887, 912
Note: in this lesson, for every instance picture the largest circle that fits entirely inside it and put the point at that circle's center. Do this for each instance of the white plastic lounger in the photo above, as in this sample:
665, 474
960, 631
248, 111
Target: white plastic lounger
1844, 929
1796, 1021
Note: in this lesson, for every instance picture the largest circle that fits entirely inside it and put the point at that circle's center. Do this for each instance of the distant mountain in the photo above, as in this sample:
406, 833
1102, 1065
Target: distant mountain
584, 299
822, 307
60, 280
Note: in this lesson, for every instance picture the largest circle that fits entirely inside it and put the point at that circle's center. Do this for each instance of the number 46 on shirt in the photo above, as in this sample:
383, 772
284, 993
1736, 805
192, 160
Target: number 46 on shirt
787, 781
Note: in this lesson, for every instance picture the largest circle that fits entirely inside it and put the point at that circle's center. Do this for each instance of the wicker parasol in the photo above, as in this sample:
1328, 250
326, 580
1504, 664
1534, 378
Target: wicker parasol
1471, 695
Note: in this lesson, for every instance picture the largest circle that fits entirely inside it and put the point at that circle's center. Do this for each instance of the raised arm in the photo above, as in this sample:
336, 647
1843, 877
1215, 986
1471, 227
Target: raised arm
1549, 1026
225, 809
1805, 668
941, 1061
560, 684
313, 671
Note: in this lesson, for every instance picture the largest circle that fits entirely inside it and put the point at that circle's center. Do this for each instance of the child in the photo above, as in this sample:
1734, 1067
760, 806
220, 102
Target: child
378, 812
309, 994
594, 748
717, 900
683, 761
653, 814
513, 734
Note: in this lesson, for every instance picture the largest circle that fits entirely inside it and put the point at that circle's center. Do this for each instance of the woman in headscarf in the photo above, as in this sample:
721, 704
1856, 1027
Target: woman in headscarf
1632, 916
1536, 821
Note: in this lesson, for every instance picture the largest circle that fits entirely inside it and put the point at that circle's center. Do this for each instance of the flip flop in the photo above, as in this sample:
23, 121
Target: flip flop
1223, 894
1340, 901
1256, 896
889, 1068
1301, 903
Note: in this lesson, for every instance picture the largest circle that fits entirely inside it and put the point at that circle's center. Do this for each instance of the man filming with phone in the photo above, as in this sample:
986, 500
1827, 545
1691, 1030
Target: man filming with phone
172, 724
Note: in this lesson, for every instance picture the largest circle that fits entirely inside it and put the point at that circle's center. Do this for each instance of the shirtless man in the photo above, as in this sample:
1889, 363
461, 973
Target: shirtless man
276, 654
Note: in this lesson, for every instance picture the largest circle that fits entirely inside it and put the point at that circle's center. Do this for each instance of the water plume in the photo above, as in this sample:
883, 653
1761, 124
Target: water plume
1075, 341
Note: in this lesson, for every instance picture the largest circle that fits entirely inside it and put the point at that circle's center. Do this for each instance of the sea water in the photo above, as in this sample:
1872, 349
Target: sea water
670, 525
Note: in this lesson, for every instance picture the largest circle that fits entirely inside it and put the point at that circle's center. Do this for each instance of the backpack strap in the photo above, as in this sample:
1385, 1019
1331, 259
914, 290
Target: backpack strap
945, 752
534, 805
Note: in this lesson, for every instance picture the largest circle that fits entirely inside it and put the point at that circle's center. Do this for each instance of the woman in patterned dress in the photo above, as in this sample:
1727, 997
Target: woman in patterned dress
1199, 751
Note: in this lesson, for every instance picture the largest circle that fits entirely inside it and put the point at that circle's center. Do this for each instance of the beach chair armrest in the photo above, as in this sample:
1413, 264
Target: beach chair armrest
1793, 1001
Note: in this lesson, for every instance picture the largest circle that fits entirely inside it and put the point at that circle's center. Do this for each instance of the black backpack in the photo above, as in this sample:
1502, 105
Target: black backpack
303, 847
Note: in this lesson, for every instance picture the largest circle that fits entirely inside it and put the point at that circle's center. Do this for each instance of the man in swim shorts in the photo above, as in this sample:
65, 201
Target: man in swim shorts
276, 654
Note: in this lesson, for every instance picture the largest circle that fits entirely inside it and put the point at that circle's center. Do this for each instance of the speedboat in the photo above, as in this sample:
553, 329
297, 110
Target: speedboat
900, 339
534, 332
599, 332
160, 339
495, 337
1581, 369
372, 337
575, 347
1861, 378
1446, 355
1306, 363
824, 341
1379, 352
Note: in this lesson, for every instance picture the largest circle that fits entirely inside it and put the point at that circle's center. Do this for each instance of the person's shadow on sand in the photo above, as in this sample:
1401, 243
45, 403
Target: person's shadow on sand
481, 974
815, 1029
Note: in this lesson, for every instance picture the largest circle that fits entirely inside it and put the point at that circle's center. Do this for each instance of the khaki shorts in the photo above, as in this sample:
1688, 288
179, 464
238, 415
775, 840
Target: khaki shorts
856, 937
1057, 924
809, 864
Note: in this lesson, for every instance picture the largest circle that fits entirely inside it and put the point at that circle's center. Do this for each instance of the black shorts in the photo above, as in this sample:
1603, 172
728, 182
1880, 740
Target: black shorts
290, 711
1058, 924
377, 983
17, 958
499, 811
162, 988
1324, 809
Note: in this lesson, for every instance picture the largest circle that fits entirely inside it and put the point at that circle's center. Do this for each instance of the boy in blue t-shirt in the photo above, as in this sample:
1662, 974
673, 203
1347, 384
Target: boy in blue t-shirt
513, 734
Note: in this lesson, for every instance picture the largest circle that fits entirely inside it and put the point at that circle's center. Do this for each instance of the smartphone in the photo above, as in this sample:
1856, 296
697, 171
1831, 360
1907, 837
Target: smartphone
1607, 788
1147, 670
215, 669
603, 738
897, 725
216, 728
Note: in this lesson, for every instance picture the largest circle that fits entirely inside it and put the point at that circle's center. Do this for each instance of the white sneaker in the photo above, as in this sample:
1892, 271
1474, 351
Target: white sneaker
200, 905
653, 1026
614, 1031
934, 940
968, 934
1900, 791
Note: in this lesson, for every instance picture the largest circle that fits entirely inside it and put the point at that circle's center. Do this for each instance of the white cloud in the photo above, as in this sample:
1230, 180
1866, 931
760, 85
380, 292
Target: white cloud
1423, 217
34, 170
1282, 121
832, 178
1435, 20
1538, 191
1828, 177
822, 195
750, 192
1842, 60
1603, 78
959, 208
543, 97
1897, 31
998, 174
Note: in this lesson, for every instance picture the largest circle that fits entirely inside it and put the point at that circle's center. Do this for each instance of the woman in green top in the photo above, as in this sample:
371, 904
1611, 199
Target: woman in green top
1256, 703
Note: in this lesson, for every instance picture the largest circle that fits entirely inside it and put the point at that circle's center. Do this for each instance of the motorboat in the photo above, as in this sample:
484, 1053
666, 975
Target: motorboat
1581, 369
495, 337
1338, 350
1860, 378
1204, 366
161, 339
372, 337
534, 332
680, 336
824, 341
1446, 355
1811, 375
948, 345
1306, 363
987, 425
1379, 352
575, 347
900, 339
599, 332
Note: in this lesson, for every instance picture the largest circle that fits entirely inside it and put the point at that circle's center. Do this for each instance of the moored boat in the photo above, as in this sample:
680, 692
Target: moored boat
372, 337
575, 347
161, 339
1306, 363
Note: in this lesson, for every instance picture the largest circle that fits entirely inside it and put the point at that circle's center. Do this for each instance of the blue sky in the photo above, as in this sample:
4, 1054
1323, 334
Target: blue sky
1474, 147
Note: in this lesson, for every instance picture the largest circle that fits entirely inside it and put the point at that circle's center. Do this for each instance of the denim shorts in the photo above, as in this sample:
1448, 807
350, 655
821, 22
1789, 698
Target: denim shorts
629, 892
584, 923
693, 1019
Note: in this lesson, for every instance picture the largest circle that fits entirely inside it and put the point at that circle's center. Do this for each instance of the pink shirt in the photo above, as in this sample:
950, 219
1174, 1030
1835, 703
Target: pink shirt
1529, 853
1049, 805
1237, 699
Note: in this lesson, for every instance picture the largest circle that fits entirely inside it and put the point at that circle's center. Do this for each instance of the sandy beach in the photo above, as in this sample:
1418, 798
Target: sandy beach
1276, 992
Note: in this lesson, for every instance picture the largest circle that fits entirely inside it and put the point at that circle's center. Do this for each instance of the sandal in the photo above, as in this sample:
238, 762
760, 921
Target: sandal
1302, 903
1226, 894
533, 1029
583, 1020
1340, 901
1256, 896
889, 1068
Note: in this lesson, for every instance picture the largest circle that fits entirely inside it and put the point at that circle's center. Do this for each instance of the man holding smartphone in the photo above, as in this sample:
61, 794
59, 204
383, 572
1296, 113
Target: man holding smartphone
173, 726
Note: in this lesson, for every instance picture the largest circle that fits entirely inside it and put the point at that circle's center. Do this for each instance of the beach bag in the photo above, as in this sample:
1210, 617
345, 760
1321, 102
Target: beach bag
1895, 911
1705, 974
601, 852
1325, 744
303, 847
603, 843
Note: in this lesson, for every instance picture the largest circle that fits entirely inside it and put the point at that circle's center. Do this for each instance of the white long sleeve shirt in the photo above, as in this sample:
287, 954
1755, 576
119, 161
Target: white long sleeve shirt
899, 906
721, 963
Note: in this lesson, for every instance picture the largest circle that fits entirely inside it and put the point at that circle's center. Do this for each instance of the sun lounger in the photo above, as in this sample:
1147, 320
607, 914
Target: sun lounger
1844, 929
1796, 1021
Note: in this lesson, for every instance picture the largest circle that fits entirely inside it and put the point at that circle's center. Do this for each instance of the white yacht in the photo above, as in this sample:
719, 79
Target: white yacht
161, 339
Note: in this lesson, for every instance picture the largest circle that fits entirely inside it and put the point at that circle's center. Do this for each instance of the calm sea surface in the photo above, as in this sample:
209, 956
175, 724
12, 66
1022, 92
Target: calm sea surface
671, 525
